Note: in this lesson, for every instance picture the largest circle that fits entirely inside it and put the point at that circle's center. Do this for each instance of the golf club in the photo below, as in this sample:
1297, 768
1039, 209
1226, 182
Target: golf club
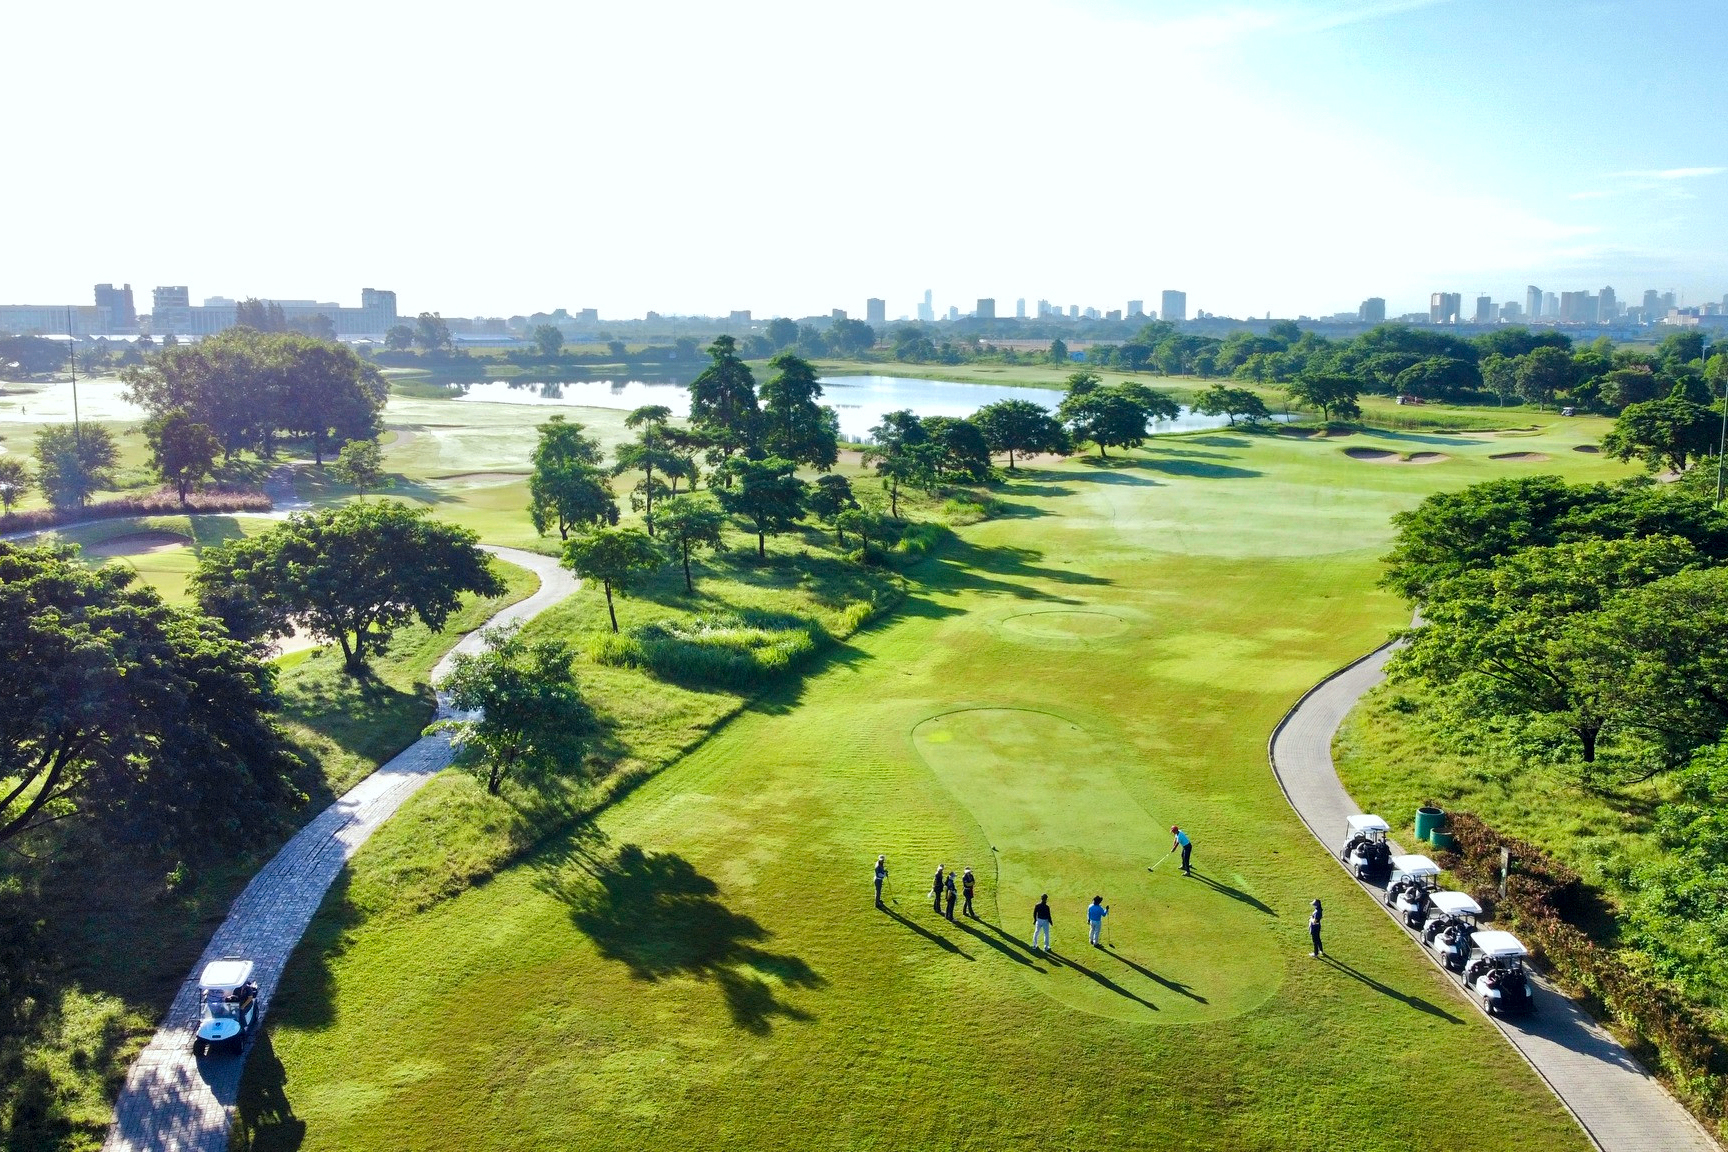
889, 885
1107, 943
1161, 860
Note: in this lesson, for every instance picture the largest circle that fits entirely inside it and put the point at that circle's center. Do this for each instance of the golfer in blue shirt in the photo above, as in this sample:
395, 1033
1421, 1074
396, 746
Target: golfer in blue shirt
1183, 843
1095, 918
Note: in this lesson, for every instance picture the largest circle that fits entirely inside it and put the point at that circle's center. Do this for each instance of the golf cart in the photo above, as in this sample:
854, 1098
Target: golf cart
1495, 974
1411, 887
227, 1005
1366, 852
1451, 924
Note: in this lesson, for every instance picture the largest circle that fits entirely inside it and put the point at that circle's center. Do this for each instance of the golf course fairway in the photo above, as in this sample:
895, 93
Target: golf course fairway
703, 967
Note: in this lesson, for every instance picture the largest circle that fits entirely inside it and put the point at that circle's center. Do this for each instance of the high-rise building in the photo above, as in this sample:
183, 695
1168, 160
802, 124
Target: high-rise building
837, 314
1652, 304
1443, 307
1136, 309
927, 310
1174, 306
122, 315
738, 316
1113, 314
1020, 308
1090, 313
986, 308
1668, 303
875, 311
1608, 306
1511, 312
1578, 308
1044, 310
1550, 305
1484, 309
1532, 301
588, 316
1372, 310
1073, 311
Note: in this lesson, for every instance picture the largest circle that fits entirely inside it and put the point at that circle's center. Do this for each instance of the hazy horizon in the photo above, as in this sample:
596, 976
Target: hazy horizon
1272, 155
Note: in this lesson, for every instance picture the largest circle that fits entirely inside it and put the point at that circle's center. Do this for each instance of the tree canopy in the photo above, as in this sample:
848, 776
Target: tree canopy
1020, 427
567, 489
616, 557
351, 574
794, 426
723, 401
687, 522
526, 719
765, 492
182, 451
72, 463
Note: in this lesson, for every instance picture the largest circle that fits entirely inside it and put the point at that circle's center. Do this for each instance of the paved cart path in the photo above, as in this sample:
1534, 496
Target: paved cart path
173, 1102
1620, 1106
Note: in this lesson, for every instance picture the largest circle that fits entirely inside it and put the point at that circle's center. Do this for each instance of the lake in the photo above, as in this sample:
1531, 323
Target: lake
861, 401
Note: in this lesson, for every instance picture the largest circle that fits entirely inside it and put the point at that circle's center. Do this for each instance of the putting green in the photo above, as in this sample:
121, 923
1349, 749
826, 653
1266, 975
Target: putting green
1046, 792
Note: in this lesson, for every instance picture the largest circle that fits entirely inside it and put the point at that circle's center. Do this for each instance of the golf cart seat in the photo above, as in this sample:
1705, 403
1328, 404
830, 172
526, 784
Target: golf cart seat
1366, 852
1495, 974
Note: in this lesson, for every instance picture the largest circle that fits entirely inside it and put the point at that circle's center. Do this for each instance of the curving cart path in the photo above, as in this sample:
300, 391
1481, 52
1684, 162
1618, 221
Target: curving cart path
173, 1102
1620, 1106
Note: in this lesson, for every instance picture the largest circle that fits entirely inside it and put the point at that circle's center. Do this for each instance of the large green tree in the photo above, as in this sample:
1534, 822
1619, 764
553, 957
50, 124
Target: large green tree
182, 451
548, 339
351, 574
115, 707
723, 401
1668, 433
73, 462
962, 453
901, 453
649, 454
524, 718
1544, 373
14, 481
1111, 416
765, 492
1020, 427
830, 496
1332, 395
567, 489
616, 557
688, 522
360, 465
794, 426
1223, 400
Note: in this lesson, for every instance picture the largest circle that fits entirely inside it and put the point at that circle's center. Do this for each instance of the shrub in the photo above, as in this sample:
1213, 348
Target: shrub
920, 539
1543, 897
729, 650
163, 502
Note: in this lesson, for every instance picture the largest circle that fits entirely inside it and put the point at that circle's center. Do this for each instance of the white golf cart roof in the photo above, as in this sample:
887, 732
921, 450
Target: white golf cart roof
225, 974
1363, 822
1454, 904
1415, 865
1498, 944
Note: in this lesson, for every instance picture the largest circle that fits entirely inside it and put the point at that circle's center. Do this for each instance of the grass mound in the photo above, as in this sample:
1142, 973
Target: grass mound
725, 649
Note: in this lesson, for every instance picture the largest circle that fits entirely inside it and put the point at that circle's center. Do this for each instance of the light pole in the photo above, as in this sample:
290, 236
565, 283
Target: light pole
1722, 442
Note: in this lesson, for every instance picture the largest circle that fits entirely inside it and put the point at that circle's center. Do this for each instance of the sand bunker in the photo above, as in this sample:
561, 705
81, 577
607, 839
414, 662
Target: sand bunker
483, 478
1383, 456
1519, 456
1591, 448
1061, 624
137, 544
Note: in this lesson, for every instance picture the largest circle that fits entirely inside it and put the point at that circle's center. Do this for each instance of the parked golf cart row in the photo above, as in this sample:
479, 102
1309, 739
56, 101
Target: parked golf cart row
1489, 962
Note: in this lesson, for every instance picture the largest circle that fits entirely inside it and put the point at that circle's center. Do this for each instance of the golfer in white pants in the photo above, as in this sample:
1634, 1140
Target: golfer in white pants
1041, 923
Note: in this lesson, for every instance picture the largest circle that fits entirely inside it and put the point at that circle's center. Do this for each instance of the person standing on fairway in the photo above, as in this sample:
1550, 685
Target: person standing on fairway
1314, 931
881, 875
936, 891
967, 883
949, 889
1095, 914
1041, 922
1183, 843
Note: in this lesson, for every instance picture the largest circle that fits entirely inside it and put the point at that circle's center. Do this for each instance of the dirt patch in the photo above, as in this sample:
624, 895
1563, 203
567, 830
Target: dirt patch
1315, 433
1384, 456
297, 641
1519, 456
1590, 448
482, 478
137, 544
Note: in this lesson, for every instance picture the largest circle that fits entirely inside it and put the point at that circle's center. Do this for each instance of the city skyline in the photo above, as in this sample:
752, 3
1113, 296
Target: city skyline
1329, 96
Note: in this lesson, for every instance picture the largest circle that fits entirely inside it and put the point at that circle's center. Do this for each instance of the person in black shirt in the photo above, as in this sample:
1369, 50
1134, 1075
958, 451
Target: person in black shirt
949, 888
1041, 922
881, 875
967, 883
1314, 930
936, 891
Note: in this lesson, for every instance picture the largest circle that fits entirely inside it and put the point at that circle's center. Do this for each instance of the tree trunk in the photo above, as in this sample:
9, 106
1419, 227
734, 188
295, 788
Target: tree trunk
648, 499
688, 587
1587, 736
761, 546
1010, 459
350, 655
609, 610
1101, 453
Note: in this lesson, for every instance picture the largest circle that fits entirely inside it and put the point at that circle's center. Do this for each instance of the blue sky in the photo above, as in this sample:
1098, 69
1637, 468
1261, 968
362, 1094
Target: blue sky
1284, 156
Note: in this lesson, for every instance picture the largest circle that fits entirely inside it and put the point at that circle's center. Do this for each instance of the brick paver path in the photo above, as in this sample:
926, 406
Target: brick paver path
1620, 1106
175, 1103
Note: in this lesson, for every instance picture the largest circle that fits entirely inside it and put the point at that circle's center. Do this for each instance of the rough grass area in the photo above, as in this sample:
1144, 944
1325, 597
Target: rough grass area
701, 966
99, 936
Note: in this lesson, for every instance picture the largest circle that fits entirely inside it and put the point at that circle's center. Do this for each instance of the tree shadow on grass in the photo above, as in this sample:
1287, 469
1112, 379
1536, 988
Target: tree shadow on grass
963, 565
264, 1119
1219, 440
1415, 1002
1233, 893
1201, 469
657, 915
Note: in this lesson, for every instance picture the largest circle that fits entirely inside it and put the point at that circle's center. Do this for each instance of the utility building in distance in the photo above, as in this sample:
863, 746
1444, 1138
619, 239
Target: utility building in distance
122, 314
986, 308
875, 311
1174, 306
1372, 310
1444, 307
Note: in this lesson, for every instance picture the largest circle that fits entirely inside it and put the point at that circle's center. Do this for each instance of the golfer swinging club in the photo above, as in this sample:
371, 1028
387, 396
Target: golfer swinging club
1095, 918
881, 875
1183, 843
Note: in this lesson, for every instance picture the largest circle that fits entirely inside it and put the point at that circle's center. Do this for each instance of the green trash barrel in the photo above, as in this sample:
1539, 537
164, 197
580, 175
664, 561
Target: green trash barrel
1442, 839
1428, 821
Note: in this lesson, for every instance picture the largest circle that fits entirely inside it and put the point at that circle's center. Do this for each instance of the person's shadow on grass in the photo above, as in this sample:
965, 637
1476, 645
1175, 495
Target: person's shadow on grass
1046, 955
1415, 1002
1233, 893
998, 945
1105, 981
654, 913
1174, 985
941, 942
